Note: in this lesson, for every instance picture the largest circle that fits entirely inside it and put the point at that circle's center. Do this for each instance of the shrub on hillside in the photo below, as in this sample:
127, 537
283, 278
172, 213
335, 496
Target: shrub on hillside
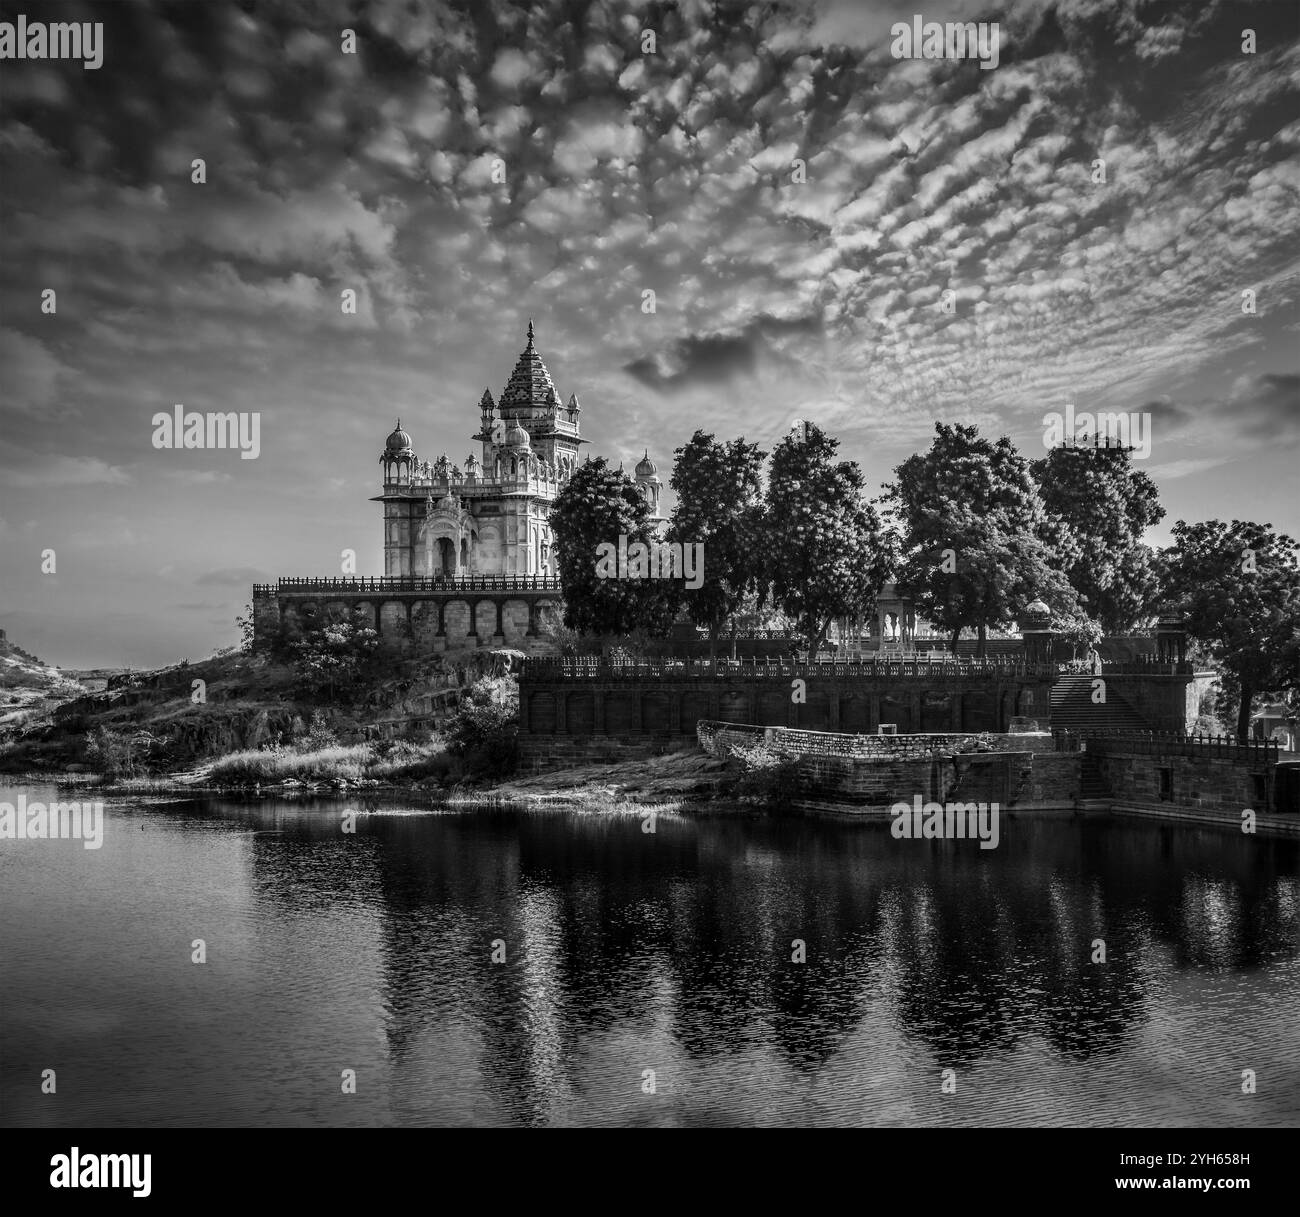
335, 661
318, 737
768, 774
404, 760
117, 754
484, 730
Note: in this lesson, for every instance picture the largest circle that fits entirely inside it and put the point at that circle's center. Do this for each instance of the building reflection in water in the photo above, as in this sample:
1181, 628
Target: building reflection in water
680, 941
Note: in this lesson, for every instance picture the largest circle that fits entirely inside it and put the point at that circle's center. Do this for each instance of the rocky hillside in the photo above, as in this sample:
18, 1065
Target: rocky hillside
30, 689
174, 717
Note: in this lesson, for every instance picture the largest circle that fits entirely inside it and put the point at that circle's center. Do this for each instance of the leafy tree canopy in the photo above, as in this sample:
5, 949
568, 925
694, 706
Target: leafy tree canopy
828, 554
719, 505
977, 544
1239, 586
1102, 506
596, 507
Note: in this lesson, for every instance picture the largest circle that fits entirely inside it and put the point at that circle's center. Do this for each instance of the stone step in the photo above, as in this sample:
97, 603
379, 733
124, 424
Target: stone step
1073, 707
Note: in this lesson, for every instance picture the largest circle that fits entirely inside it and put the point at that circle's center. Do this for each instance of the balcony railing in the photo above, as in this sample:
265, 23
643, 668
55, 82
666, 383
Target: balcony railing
1167, 743
412, 583
593, 667
1141, 666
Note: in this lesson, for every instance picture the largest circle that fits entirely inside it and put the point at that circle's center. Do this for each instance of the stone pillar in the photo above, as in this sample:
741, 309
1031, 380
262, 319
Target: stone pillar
473, 617
442, 619
531, 632
500, 607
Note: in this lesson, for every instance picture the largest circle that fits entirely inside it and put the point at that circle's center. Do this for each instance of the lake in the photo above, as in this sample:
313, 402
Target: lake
648, 977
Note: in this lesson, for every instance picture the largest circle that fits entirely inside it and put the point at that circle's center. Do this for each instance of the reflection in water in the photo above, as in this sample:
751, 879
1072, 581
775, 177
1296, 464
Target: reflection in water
627, 951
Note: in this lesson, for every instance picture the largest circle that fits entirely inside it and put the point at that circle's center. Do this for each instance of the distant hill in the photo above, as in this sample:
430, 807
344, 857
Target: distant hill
29, 687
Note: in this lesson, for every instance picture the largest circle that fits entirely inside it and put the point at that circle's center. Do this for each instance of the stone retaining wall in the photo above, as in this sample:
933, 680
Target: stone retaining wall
1209, 782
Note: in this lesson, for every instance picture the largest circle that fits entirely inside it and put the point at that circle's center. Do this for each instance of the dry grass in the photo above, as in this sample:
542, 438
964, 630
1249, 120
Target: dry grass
322, 765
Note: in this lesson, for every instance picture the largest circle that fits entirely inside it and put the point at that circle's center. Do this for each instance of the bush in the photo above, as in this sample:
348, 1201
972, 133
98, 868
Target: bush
403, 760
118, 754
768, 774
1207, 724
335, 661
484, 730
318, 737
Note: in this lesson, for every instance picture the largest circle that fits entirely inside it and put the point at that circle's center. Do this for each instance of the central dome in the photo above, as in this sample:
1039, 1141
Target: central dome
517, 437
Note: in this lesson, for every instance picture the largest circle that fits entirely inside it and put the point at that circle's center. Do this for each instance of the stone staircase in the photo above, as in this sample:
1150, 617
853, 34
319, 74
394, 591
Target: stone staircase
1073, 708
1091, 784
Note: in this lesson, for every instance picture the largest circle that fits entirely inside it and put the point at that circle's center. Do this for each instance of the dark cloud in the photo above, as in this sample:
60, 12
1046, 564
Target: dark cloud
703, 360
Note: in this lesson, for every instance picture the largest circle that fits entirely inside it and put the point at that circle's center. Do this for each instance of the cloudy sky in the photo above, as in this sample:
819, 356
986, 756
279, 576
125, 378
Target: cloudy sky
625, 172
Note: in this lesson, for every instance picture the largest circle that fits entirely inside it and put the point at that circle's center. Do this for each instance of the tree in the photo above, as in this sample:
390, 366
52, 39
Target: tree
1102, 507
1239, 587
1078, 630
977, 545
597, 507
335, 659
245, 624
827, 554
719, 506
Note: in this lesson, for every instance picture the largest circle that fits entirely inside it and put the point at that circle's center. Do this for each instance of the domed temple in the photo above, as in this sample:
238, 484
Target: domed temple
488, 515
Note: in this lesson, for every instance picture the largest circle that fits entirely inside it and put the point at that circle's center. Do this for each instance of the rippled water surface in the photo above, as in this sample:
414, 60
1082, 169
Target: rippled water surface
629, 951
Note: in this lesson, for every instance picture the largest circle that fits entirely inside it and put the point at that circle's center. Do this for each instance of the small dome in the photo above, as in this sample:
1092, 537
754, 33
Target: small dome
516, 436
645, 467
1037, 608
399, 441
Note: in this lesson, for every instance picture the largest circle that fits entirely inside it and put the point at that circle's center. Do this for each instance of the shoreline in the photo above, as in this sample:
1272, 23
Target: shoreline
589, 788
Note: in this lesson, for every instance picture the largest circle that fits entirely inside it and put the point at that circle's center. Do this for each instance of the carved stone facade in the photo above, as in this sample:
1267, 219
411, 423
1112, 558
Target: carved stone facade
491, 516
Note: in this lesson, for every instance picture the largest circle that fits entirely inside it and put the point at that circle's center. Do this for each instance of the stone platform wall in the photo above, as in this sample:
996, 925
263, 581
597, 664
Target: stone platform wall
414, 616
671, 703
1208, 782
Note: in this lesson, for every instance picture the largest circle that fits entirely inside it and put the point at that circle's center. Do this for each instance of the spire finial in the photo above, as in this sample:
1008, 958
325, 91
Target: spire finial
399, 424
530, 331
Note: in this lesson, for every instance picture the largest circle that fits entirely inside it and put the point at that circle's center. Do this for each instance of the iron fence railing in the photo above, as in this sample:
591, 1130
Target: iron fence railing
413, 583
580, 667
1167, 743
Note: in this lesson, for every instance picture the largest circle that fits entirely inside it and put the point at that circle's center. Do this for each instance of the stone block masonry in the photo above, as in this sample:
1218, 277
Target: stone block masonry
414, 615
1189, 781
559, 700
